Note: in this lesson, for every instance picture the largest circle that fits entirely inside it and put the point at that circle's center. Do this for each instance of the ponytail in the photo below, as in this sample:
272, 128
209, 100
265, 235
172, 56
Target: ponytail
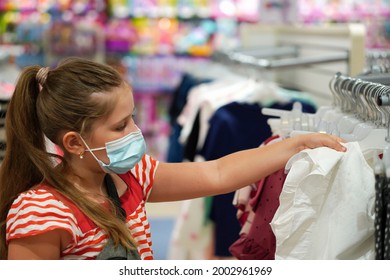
25, 147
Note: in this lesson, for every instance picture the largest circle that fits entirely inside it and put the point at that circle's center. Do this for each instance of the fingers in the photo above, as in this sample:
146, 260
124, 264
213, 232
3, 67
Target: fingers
317, 140
337, 143
341, 140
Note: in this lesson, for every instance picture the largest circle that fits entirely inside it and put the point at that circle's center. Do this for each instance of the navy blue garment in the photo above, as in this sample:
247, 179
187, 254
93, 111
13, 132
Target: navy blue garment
175, 149
235, 127
190, 148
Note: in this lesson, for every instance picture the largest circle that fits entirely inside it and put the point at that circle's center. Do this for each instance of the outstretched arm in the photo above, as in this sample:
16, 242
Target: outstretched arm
179, 181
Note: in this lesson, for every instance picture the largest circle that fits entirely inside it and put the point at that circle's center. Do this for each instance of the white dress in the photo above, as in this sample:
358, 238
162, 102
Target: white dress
326, 206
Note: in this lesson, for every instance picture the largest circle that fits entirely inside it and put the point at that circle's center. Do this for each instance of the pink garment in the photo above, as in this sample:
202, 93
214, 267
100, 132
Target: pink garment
241, 202
257, 240
244, 195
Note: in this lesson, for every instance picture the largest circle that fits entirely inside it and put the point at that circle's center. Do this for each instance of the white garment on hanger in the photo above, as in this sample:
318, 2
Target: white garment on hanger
326, 206
196, 96
251, 92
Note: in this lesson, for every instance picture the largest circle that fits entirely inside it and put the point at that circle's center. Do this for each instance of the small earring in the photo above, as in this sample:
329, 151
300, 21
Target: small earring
81, 155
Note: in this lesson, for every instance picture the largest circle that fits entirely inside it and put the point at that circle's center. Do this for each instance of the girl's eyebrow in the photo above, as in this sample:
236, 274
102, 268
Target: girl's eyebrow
125, 118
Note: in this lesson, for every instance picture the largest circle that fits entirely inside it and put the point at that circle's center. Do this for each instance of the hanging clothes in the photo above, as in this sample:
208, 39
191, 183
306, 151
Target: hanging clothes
257, 240
199, 96
199, 129
234, 127
326, 206
191, 236
382, 217
179, 99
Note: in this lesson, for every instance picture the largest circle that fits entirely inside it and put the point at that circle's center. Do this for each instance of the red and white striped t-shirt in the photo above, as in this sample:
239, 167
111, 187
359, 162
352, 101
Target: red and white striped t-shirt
40, 210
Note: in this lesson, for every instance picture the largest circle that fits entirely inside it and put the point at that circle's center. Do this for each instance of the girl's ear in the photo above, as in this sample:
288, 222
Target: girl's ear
72, 143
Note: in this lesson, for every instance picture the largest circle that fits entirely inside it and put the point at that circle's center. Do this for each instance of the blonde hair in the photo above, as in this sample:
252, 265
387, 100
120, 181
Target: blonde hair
61, 101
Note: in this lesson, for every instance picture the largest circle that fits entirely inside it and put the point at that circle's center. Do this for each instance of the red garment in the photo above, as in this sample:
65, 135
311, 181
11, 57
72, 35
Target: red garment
257, 241
242, 196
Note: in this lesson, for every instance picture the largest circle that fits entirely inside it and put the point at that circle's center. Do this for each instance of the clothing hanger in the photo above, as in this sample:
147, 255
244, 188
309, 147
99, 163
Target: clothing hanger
355, 98
378, 137
321, 121
295, 122
347, 105
361, 124
382, 165
290, 122
362, 117
351, 118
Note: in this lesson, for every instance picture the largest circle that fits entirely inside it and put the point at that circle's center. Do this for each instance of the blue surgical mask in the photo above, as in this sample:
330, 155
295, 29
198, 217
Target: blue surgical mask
123, 153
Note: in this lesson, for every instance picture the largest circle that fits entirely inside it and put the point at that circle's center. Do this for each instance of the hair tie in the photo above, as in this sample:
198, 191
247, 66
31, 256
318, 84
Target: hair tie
42, 75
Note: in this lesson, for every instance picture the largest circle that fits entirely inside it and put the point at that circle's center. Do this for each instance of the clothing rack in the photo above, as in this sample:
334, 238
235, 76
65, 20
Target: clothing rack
368, 103
360, 111
377, 57
380, 78
297, 57
262, 61
378, 73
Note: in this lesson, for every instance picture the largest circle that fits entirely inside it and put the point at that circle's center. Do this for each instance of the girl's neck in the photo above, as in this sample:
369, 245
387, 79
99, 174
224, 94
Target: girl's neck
90, 184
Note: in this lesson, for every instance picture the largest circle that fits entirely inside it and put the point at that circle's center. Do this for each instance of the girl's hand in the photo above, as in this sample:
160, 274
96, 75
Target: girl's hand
315, 140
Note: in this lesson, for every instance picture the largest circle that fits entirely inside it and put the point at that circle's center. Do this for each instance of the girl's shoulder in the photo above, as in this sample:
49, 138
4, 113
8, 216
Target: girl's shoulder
143, 173
36, 211
145, 169
39, 196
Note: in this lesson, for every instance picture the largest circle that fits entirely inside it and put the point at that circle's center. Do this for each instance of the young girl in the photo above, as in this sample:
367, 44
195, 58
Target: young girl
59, 207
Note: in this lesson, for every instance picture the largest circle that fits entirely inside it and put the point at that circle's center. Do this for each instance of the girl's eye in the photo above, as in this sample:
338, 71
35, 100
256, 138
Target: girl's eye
121, 127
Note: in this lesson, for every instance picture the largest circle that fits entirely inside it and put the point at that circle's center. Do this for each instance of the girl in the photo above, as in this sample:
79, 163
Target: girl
61, 207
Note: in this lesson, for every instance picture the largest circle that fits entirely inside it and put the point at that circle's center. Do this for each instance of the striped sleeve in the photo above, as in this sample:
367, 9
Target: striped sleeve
144, 172
38, 211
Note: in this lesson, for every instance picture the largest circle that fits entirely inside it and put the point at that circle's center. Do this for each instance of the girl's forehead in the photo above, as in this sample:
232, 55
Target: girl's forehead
123, 104
120, 102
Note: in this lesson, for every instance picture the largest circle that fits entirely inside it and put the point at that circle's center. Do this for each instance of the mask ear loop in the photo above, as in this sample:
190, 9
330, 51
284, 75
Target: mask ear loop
92, 150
